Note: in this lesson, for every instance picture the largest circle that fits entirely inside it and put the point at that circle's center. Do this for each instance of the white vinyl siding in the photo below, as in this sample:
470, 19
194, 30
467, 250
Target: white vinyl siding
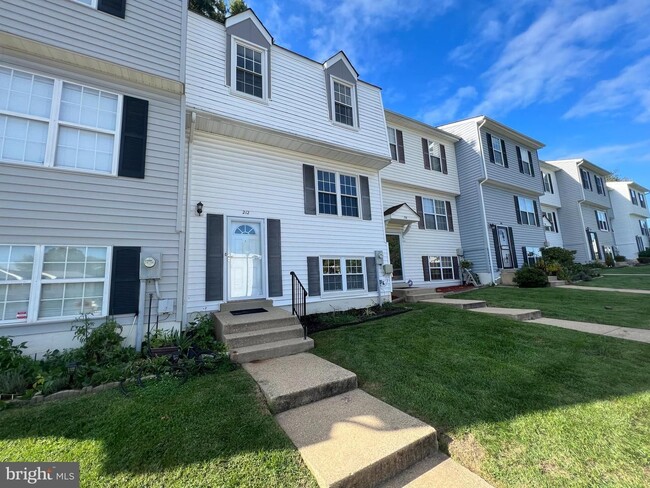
55, 123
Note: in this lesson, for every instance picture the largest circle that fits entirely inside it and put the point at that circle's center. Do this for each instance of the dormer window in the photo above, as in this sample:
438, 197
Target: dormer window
343, 105
249, 71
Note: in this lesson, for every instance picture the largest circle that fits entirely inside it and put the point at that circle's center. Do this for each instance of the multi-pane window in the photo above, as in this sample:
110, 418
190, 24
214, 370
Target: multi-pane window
533, 254
343, 108
249, 78
497, 149
392, 143
331, 195
72, 281
435, 214
601, 217
527, 212
348, 276
642, 200
549, 222
434, 156
586, 179
643, 224
85, 123
526, 163
548, 183
16, 268
52, 282
600, 185
441, 267
633, 197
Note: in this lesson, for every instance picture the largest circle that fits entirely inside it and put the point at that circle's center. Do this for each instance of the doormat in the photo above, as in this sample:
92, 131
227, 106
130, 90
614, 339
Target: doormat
247, 311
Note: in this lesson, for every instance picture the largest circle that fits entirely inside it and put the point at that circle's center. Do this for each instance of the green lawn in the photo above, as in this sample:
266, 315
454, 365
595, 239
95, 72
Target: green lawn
611, 280
211, 431
523, 405
645, 269
615, 308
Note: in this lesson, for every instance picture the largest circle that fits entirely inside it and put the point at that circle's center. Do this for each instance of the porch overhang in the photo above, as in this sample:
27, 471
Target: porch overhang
224, 126
401, 216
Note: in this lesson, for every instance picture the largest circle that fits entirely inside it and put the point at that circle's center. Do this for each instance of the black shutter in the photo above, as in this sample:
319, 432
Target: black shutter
443, 158
597, 246
537, 223
519, 160
309, 189
313, 276
425, 154
400, 146
274, 251
557, 229
517, 209
214, 252
503, 150
456, 267
113, 7
532, 166
450, 218
426, 272
133, 144
597, 221
418, 209
524, 254
371, 273
550, 182
591, 187
366, 213
125, 281
511, 236
490, 147
497, 247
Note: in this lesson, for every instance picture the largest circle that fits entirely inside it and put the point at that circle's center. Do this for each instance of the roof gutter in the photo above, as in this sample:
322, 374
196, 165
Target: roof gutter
482, 200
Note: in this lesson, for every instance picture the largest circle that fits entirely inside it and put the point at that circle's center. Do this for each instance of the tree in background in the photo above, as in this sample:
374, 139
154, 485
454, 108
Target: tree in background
217, 9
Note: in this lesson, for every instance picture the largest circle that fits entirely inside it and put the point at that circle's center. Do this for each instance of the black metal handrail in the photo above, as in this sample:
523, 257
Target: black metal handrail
299, 301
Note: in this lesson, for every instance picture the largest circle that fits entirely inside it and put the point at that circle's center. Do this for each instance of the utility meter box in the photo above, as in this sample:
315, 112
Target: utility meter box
150, 265
379, 257
388, 268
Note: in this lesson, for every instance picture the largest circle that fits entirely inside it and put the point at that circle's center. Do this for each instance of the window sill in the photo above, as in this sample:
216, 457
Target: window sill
344, 294
40, 167
245, 96
353, 128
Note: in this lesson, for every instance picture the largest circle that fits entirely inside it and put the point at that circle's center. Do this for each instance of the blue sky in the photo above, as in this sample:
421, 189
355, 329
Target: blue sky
572, 74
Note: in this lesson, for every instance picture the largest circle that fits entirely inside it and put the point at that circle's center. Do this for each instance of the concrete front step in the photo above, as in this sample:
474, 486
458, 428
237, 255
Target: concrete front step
556, 283
227, 324
356, 440
458, 303
252, 338
292, 381
437, 470
245, 304
510, 313
412, 295
270, 350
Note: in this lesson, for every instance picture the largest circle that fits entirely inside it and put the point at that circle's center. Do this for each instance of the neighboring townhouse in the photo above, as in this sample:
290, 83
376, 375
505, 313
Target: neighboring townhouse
284, 156
551, 205
90, 149
586, 209
630, 217
500, 185
419, 190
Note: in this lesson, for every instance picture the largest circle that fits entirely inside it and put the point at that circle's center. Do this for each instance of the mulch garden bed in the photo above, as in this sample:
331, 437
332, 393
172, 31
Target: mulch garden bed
332, 320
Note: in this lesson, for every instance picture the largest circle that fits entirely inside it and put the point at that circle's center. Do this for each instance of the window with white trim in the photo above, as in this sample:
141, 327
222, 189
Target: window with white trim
392, 142
601, 217
586, 179
643, 224
434, 155
533, 254
497, 150
600, 185
338, 277
548, 183
633, 197
53, 282
527, 211
549, 222
249, 69
526, 163
642, 200
55, 123
336, 191
441, 268
435, 214
343, 96
90, 3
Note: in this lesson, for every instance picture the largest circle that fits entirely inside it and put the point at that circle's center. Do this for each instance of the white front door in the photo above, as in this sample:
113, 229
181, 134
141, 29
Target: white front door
245, 259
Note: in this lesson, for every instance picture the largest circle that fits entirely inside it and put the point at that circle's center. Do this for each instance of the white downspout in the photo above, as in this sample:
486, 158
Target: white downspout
482, 200
186, 207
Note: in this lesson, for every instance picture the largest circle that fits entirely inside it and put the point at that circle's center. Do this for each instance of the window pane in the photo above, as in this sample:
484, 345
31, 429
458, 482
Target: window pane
441, 222
427, 205
430, 221
447, 274
22, 139
436, 274
343, 114
83, 149
25, 93
349, 206
445, 261
435, 163
441, 207
332, 283
392, 139
88, 106
16, 263
354, 282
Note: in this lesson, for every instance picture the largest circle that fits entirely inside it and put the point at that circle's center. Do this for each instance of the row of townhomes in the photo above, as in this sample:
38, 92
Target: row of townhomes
153, 170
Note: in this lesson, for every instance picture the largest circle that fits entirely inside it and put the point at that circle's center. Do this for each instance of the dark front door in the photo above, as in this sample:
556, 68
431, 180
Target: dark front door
395, 251
505, 248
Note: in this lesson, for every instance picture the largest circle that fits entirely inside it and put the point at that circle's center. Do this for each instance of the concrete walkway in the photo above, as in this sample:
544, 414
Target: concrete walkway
347, 437
639, 335
594, 288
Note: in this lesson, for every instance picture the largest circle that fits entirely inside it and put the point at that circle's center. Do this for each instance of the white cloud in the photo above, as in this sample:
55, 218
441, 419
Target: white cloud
564, 44
282, 26
449, 108
630, 89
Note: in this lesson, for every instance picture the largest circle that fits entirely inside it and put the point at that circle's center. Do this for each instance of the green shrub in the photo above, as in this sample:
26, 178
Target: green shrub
563, 257
595, 265
644, 260
609, 261
12, 382
530, 277
620, 259
645, 253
